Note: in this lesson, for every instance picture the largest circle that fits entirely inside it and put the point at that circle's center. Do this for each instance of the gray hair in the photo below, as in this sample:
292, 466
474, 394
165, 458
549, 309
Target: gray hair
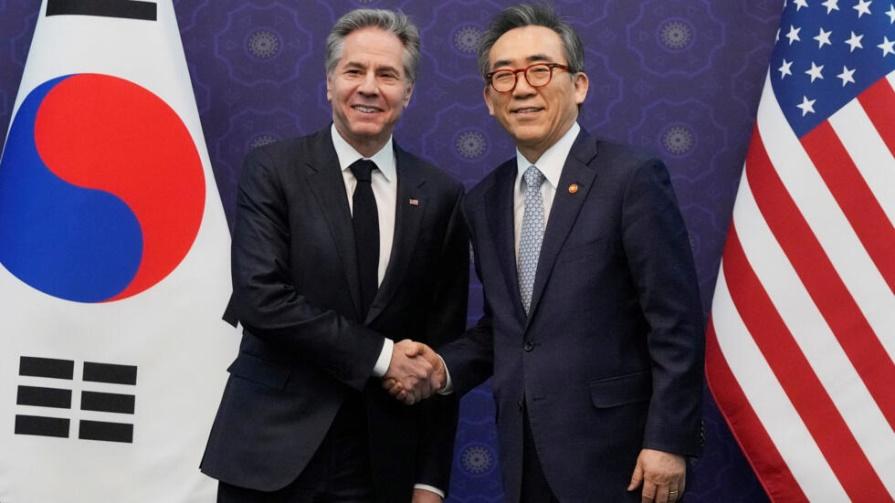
390, 21
519, 16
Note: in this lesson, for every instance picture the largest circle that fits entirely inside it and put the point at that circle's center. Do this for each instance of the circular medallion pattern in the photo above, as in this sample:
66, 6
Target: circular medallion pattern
678, 139
471, 144
261, 140
263, 44
466, 39
675, 34
477, 459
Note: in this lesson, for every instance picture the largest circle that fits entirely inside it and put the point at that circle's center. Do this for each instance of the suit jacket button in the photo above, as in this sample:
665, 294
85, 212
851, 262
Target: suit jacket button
521, 405
528, 346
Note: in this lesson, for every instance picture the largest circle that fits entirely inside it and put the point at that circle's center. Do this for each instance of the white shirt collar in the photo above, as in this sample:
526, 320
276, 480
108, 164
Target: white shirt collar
384, 158
553, 159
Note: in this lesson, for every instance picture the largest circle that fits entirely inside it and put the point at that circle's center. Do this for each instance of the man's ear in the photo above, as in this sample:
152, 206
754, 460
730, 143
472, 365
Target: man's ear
408, 92
581, 83
329, 88
486, 95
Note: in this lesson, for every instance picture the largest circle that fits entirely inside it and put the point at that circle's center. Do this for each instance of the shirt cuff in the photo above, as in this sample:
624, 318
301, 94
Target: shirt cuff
448, 385
429, 488
385, 357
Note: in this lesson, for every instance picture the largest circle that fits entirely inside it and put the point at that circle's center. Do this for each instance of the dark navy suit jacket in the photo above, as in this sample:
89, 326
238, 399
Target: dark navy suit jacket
305, 348
610, 359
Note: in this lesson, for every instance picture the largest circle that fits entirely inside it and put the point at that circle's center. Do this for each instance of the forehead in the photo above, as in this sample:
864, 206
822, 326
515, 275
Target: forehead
372, 46
527, 44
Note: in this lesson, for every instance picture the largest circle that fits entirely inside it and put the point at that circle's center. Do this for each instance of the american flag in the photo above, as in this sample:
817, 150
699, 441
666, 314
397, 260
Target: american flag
802, 333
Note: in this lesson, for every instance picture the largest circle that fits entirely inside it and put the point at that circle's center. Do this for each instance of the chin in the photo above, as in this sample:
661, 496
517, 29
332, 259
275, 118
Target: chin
525, 135
367, 130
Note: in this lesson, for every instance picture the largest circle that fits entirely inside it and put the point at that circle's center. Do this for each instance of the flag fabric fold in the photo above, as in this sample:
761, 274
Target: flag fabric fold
801, 340
114, 265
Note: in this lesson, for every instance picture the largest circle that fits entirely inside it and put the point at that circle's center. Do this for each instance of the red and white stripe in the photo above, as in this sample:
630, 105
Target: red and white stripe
802, 335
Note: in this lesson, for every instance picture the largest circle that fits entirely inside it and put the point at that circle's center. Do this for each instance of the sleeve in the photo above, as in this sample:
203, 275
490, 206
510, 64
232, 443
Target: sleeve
385, 358
446, 321
470, 359
266, 301
661, 264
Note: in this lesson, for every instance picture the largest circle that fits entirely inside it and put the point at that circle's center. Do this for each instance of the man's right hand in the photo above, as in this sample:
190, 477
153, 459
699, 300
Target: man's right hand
414, 373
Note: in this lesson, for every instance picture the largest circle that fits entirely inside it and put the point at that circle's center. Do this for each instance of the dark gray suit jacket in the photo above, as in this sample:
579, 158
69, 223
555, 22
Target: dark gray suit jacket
305, 348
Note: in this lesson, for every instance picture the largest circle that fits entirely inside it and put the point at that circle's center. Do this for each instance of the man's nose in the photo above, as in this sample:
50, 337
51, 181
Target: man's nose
523, 89
369, 85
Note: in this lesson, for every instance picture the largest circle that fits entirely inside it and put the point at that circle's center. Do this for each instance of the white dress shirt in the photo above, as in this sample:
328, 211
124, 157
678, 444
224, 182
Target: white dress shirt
384, 182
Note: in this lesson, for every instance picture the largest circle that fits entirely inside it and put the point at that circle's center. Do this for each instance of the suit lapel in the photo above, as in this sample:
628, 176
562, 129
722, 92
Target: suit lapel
566, 206
325, 180
499, 212
408, 217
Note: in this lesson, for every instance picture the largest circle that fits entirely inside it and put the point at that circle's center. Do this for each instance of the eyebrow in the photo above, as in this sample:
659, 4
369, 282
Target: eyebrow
534, 58
387, 68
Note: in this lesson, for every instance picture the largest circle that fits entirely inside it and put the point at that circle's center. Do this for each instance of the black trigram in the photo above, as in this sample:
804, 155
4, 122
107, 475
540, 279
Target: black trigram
61, 398
124, 9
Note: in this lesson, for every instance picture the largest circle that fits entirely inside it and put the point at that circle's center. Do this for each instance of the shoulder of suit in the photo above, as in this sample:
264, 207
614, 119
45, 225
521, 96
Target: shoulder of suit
609, 155
618, 164
291, 146
622, 152
430, 172
484, 185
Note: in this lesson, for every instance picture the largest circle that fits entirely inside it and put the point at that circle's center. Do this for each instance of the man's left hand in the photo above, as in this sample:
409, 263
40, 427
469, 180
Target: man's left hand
662, 474
424, 496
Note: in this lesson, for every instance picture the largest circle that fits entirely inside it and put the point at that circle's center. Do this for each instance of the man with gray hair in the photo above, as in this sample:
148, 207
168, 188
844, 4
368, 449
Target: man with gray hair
344, 247
593, 327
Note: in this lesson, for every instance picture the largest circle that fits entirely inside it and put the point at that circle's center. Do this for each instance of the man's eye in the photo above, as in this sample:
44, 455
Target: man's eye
539, 70
503, 76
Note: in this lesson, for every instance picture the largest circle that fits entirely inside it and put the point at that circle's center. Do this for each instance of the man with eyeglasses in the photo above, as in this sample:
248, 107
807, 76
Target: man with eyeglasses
592, 326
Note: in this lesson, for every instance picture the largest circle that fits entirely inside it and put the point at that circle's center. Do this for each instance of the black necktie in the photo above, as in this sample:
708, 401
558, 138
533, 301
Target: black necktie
365, 219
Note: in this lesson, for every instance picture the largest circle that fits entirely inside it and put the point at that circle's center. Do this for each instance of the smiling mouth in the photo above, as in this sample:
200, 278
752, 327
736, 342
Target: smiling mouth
526, 110
366, 109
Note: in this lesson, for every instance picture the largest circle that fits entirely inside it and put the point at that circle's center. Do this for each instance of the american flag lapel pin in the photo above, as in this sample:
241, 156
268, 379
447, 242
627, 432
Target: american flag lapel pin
414, 201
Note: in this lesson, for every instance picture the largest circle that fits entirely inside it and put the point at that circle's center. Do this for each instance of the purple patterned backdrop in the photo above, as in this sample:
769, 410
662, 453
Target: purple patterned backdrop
681, 77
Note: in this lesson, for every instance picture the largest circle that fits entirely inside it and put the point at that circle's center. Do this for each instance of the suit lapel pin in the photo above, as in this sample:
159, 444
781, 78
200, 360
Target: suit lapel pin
414, 201
573, 188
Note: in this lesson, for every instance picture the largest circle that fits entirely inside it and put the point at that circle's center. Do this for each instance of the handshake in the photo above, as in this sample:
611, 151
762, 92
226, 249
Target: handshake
414, 373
